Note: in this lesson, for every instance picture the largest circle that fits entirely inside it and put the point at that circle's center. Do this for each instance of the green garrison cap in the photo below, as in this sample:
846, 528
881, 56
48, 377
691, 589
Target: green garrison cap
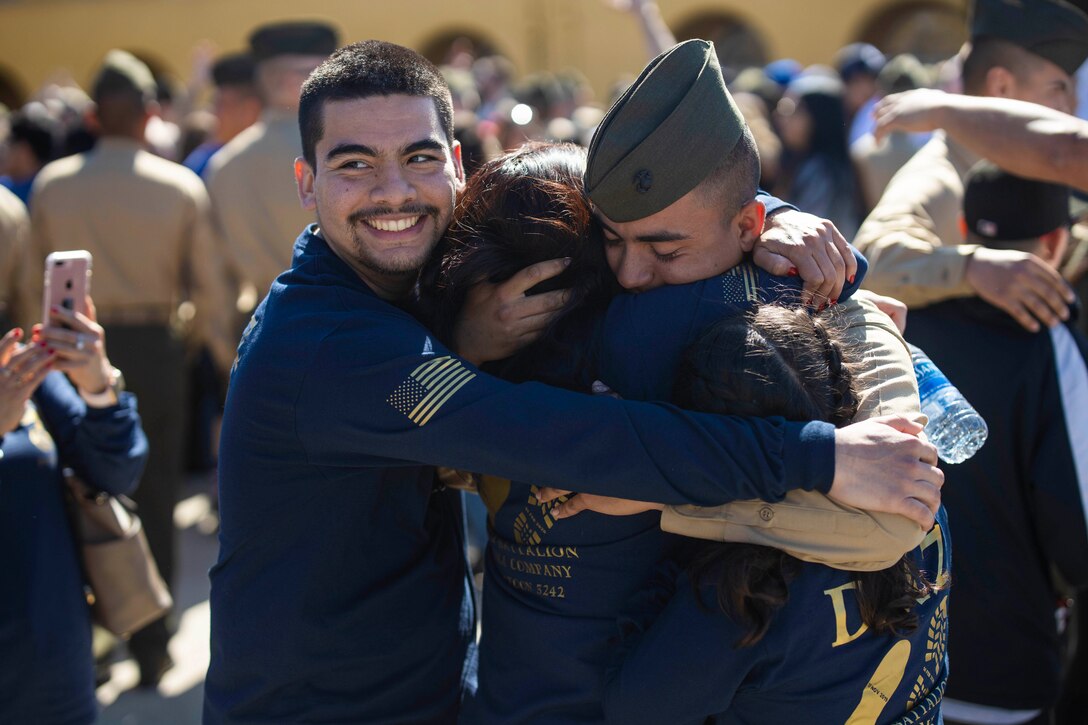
664, 135
1054, 30
292, 38
122, 72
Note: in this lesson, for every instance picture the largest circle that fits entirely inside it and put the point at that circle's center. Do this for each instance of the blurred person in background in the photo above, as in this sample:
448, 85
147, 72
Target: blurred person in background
14, 242
73, 108
32, 143
236, 105
50, 422
1025, 51
146, 221
817, 174
163, 134
197, 128
1018, 505
254, 201
859, 66
494, 75
757, 116
876, 163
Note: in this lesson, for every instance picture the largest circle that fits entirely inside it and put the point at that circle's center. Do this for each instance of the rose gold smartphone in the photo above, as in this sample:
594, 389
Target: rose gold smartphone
67, 282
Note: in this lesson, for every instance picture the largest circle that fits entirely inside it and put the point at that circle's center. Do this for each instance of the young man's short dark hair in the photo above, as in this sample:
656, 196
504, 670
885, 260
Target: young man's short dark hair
735, 180
365, 69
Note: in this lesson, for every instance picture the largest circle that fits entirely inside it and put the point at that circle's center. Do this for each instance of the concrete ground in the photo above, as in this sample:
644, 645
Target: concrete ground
179, 696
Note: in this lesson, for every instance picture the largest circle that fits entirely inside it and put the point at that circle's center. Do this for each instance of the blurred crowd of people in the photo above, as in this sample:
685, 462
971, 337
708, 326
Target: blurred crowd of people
185, 197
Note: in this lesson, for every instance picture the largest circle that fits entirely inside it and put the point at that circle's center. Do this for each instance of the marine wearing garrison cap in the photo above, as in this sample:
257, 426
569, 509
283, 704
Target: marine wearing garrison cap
292, 38
122, 72
912, 236
254, 199
664, 135
1051, 29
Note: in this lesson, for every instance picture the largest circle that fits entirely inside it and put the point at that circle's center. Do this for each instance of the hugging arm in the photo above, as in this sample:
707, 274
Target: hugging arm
811, 526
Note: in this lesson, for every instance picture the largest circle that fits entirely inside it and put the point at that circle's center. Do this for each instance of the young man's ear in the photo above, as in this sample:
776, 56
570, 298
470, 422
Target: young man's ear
304, 178
748, 224
963, 227
1052, 246
1000, 82
458, 166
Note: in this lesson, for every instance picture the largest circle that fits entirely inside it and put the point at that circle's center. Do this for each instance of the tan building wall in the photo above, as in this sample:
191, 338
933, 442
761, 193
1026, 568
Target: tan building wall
38, 38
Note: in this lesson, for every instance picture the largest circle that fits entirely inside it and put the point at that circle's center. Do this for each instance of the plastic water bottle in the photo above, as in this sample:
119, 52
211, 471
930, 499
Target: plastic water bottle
954, 426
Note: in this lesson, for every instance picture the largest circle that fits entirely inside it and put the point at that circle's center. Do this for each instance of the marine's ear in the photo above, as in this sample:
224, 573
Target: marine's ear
749, 223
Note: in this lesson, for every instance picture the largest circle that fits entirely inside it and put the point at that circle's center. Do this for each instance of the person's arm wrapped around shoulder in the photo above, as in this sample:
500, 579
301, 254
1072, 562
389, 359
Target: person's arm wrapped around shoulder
809, 525
912, 237
106, 447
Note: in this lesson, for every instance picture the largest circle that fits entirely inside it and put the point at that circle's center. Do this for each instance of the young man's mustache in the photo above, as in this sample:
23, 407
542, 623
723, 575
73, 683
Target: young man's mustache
379, 211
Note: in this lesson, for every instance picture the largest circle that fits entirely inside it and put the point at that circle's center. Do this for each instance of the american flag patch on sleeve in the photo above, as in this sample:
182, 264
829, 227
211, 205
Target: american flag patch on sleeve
429, 387
741, 284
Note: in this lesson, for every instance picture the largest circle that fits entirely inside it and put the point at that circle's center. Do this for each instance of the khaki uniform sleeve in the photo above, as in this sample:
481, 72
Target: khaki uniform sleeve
14, 240
41, 244
809, 525
912, 237
209, 288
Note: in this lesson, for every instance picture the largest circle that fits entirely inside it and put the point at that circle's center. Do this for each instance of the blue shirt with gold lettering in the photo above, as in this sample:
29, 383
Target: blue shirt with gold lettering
339, 592
817, 663
553, 589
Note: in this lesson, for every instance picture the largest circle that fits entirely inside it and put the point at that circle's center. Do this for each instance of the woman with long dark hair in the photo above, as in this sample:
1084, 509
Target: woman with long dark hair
746, 633
817, 174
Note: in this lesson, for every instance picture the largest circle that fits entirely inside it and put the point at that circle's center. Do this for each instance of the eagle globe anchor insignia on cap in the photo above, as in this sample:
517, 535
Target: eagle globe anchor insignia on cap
664, 135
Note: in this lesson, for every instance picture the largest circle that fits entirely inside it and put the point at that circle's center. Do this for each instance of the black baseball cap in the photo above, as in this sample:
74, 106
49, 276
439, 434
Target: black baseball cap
1002, 207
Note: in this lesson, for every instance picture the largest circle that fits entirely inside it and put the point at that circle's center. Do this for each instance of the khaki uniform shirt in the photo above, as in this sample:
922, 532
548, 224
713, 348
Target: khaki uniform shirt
255, 202
912, 238
16, 300
876, 164
809, 525
146, 221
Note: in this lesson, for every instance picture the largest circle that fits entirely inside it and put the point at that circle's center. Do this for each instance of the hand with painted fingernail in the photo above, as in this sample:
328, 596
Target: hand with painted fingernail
80, 345
22, 369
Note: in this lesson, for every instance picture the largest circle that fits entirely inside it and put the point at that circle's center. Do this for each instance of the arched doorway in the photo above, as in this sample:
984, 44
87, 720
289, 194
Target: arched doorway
738, 44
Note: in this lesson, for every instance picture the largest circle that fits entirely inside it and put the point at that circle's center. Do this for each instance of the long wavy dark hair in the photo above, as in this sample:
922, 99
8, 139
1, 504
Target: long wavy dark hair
524, 207
779, 361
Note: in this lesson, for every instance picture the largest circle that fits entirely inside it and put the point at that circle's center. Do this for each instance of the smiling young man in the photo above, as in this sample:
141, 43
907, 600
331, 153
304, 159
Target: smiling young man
340, 590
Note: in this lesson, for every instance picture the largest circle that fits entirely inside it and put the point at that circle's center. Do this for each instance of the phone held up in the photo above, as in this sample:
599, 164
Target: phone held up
67, 282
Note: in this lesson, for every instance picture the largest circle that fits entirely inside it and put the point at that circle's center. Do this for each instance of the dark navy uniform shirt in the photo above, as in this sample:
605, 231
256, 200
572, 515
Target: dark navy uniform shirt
46, 664
1020, 505
339, 589
818, 663
553, 589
